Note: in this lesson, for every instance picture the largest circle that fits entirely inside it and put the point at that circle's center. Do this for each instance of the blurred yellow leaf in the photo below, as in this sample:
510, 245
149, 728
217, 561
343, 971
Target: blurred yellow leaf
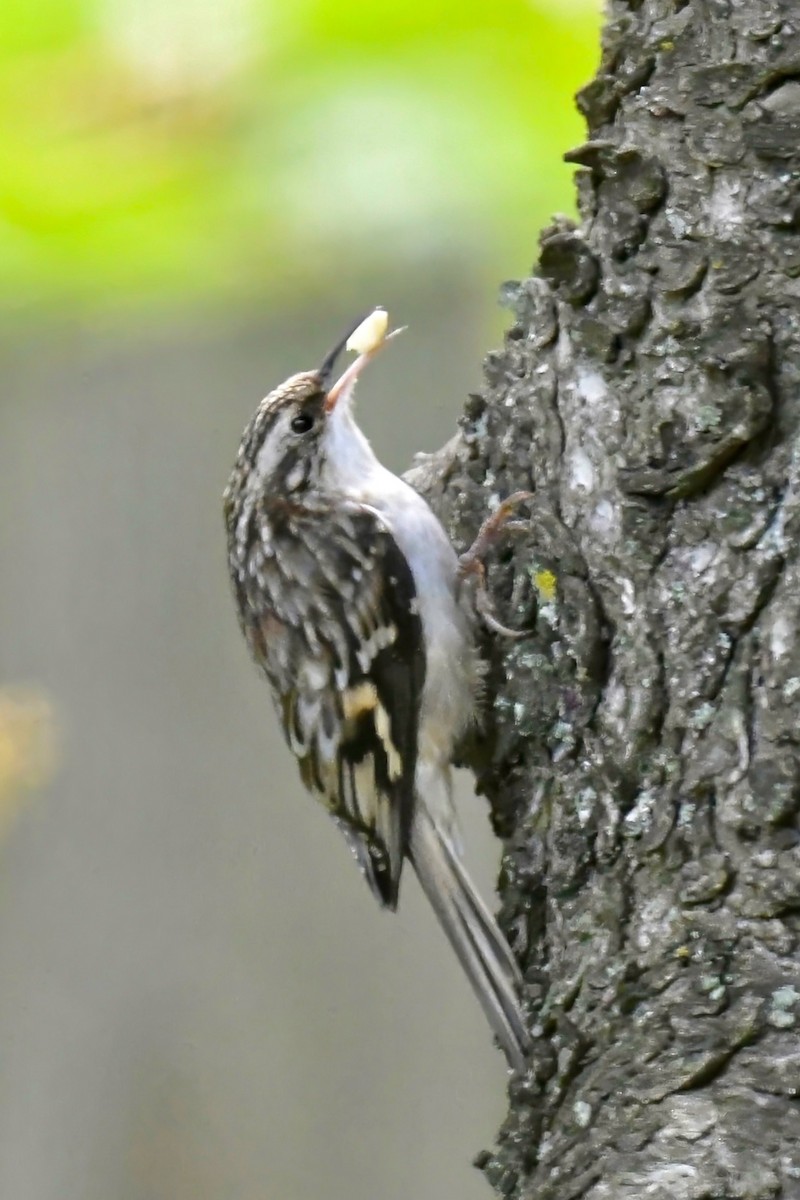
27, 748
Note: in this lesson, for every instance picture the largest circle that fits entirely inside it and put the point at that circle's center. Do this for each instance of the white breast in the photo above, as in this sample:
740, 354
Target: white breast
451, 661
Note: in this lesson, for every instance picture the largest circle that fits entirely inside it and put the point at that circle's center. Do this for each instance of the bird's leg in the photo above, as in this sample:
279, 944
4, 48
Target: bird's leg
472, 562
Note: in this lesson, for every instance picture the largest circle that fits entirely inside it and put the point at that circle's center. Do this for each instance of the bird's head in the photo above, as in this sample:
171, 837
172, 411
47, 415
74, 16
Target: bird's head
287, 443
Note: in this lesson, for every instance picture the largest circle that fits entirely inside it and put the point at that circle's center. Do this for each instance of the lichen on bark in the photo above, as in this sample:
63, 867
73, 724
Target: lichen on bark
641, 743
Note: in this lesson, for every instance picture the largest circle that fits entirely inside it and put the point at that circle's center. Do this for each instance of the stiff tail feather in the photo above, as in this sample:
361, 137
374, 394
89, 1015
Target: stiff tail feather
473, 933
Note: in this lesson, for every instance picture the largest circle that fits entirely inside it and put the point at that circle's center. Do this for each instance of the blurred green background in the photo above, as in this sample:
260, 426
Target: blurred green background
161, 152
198, 997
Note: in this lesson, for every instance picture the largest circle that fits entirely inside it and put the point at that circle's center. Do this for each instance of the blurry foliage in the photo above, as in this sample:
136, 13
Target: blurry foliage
165, 150
27, 749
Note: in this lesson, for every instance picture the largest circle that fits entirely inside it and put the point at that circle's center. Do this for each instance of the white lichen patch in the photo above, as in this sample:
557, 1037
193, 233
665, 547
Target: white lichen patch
604, 520
725, 205
657, 924
481, 427
584, 805
689, 1117
779, 1018
639, 818
583, 1113
581, 472
627, 597
781, 636
615, 698
780, 1015
702, 715
591, 385
676, 223
564, 352
702, 556
665, 1179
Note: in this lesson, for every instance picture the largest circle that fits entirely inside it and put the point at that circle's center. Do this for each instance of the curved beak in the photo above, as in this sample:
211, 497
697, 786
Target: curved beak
326, 370
344, 385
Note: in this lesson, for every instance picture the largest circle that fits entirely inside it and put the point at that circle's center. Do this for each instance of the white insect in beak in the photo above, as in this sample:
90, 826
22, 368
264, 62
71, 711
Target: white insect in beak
367, 340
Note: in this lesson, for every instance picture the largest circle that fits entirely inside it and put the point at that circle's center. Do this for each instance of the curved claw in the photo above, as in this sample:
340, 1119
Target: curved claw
485, 610
471, 562
490, 530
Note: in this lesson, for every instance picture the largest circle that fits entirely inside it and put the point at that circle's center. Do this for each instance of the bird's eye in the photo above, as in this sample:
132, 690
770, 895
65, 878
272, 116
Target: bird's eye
302, 423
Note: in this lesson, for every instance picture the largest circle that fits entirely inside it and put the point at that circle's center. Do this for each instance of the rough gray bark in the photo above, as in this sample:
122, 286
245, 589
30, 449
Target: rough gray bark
641, 755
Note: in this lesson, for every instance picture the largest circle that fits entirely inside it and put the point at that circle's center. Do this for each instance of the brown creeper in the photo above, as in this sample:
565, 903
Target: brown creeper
347, 591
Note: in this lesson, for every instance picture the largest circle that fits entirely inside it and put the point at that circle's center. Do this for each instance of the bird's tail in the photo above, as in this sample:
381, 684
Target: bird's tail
473, 933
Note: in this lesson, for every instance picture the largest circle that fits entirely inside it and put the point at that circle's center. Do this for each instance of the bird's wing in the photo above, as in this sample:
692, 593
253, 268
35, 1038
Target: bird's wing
347, 659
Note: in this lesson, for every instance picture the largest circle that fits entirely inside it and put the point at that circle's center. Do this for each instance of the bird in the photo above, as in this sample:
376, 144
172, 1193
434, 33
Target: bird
348, 593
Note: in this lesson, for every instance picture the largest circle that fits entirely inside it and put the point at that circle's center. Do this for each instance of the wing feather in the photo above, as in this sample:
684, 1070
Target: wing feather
350, 678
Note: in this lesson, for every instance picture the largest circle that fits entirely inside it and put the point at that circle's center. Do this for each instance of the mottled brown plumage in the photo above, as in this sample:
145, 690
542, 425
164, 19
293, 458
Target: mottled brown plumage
347, 593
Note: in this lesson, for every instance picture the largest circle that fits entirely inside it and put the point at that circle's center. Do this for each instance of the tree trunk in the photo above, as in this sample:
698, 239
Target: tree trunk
640, 750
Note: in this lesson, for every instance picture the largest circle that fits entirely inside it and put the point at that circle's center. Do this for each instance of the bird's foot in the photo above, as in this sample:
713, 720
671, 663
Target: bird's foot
472, 562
